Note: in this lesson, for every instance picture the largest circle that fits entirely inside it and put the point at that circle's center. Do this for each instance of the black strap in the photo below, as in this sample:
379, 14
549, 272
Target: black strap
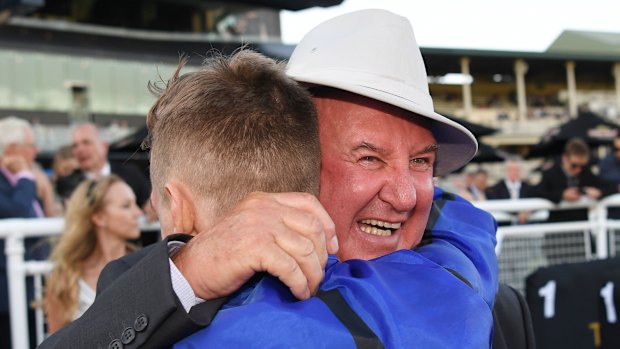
436, 208
427, 238
363, 336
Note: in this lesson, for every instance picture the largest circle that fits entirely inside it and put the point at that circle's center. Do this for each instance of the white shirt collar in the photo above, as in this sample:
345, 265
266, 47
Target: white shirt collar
106, 170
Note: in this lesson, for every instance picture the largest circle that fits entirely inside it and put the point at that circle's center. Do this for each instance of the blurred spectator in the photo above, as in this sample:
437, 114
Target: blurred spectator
64, 162
66, 185
511, 186
91, 153
67, 173
21, 183
19, 151
18, 185
609, 166
478, 186
455, 183
571, 180
101, 217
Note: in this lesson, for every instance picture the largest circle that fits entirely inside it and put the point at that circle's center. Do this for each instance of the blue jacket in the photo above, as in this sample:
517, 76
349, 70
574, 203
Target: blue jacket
439, 295
16, 202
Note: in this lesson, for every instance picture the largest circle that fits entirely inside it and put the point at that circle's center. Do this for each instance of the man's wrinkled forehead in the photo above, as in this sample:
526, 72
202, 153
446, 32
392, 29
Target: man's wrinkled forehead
325, 96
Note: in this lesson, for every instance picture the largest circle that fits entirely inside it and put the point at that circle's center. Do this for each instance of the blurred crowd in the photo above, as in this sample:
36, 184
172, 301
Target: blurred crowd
103, 204
573, 176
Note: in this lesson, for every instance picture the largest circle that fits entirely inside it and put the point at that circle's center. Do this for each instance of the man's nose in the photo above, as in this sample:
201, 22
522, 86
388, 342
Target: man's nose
399, 190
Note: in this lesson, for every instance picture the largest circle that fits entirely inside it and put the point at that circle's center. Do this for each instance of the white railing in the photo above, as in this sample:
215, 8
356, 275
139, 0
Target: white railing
598, 223
523, 248
14, 232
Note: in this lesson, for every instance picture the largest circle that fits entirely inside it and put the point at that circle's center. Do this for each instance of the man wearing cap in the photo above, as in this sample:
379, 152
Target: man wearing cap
381, 144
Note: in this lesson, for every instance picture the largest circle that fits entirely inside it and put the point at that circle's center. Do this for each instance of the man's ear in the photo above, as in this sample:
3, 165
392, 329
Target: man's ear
182, 207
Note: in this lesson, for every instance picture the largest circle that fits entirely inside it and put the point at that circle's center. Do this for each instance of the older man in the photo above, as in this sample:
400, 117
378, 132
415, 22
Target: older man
381, 144
25, 192
91, 153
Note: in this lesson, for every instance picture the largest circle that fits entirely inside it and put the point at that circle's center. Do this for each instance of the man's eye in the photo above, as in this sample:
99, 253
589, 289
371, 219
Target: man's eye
368, 158
421, 163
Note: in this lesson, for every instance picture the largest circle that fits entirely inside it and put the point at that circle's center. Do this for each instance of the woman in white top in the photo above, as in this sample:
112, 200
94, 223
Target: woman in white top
101, 217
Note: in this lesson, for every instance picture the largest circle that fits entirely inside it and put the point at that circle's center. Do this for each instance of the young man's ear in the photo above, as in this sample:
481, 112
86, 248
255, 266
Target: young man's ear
182, 207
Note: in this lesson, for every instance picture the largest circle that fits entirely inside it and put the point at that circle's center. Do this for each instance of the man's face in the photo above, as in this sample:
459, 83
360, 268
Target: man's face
376, 175
88, 149
27, 150
513, 171
574, 164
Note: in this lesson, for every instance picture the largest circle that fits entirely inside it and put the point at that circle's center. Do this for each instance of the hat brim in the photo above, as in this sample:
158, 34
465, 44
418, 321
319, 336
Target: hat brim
457, 145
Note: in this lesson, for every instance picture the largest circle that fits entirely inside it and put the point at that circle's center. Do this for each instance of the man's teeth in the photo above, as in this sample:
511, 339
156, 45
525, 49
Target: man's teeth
372, 224
382, 223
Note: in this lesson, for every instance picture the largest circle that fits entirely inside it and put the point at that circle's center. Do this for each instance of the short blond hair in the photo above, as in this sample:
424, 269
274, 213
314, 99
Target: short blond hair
237, 125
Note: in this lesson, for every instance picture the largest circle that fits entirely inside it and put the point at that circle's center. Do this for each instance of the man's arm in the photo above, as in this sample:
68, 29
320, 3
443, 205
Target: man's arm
251, 238
135, 301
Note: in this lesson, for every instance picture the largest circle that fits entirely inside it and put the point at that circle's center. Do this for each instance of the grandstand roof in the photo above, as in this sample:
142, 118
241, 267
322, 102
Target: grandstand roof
292, 5
586, 42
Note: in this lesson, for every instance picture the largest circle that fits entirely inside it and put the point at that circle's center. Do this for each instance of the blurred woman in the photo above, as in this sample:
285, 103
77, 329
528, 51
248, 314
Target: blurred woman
101, 217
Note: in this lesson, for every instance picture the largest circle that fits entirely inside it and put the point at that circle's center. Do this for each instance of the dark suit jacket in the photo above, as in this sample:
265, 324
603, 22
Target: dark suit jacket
553, 183
500, 191
136, 179
128, 172
512, 321
135, 295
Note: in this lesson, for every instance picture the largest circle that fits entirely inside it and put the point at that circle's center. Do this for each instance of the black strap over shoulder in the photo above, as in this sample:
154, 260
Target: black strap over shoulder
364, 336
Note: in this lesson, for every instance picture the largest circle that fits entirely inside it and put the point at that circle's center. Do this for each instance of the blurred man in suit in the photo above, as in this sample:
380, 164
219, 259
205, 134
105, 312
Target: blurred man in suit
91, 153
511, 186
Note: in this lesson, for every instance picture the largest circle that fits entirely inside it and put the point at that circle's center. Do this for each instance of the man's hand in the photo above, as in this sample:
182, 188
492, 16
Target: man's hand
287, 235
592, 193
571, 194
15, 163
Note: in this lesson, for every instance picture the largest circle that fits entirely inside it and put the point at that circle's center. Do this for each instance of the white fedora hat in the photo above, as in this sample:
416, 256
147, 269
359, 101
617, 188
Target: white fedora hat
374, 53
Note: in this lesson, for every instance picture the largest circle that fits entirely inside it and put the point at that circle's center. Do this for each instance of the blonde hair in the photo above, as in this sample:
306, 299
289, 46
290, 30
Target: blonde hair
76, 244
237, 125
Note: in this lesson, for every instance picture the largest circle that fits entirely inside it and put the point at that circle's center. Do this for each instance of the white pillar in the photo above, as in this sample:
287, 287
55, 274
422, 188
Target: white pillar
616, 73
572, 88
467, 100
520, 71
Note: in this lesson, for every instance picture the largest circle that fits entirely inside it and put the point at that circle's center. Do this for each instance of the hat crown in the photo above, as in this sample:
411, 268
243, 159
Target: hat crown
378, 45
